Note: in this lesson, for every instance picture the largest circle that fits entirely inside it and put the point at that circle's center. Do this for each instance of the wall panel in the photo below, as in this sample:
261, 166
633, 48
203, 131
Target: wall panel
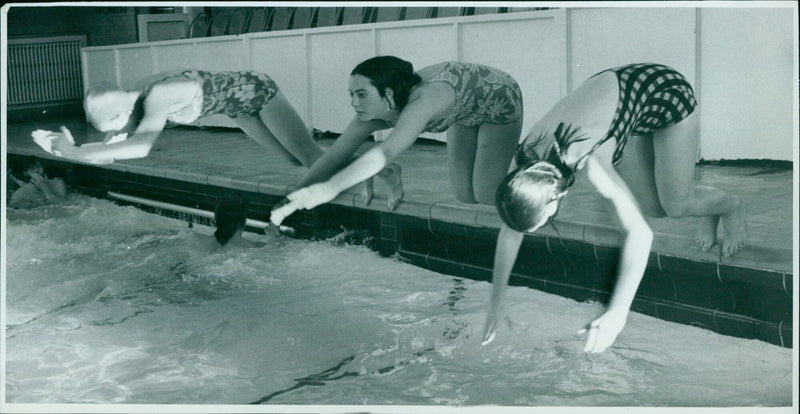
221, 55
605, 38
330, 64
739, 59
748, 107
171, 57
536, 62
99, 67
284, 60
135, 63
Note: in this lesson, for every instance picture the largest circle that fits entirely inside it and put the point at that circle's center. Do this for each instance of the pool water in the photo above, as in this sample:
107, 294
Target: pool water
109, 304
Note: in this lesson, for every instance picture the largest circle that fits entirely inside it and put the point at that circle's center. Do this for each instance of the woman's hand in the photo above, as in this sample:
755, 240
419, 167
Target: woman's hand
313, 195
38, 180
603, 331
63, 146
304, 198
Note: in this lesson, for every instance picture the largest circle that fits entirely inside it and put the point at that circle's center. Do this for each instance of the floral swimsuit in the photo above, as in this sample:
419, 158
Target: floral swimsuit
230, 93
483, 95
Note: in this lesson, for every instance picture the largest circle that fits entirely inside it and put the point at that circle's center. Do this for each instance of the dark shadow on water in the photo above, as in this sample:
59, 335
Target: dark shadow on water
328, 375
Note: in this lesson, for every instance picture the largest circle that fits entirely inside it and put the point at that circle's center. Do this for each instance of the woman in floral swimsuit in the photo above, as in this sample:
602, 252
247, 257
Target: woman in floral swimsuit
251, 99
480, 107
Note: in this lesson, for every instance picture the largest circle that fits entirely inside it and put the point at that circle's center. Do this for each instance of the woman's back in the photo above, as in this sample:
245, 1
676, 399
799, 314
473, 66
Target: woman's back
590, 108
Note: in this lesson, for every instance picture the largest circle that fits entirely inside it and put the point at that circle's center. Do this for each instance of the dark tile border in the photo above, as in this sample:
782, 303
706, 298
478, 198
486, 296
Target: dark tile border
730, 300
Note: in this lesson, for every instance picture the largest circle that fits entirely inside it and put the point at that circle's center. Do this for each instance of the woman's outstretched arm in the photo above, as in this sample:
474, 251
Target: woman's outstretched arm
411, 123
505, 254
638, 237
341, 151
160, 102
137, 146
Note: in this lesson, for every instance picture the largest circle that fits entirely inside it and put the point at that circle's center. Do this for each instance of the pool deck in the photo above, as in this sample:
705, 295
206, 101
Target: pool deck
227, 158
748, 295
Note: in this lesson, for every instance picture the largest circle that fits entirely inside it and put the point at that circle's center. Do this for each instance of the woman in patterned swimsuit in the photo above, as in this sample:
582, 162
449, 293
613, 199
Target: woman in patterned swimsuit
480, 107
655, 177
251, 99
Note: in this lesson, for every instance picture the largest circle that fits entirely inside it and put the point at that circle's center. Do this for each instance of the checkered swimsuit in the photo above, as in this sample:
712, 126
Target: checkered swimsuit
650, 97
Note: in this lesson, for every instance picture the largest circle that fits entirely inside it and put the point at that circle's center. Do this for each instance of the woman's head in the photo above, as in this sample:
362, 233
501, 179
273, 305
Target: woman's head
381, 83
230, 216
529, 196
34, 167
109, 109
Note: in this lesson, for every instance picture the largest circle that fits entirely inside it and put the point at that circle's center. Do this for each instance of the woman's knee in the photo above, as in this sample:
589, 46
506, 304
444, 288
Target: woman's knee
464, 194
654, 210
675, 207
485, 198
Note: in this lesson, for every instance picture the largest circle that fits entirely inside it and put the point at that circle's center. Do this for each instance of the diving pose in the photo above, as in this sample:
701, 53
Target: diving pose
648, 110
479, 106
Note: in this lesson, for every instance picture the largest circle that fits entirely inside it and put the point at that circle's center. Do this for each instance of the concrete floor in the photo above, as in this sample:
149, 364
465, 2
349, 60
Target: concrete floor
228, 158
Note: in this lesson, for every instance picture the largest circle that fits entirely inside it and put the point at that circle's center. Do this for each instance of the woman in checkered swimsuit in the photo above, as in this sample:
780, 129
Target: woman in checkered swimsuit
648, 110
651, 97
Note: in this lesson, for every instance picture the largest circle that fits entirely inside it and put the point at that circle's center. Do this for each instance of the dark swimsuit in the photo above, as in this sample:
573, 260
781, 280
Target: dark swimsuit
650, 97
483, 95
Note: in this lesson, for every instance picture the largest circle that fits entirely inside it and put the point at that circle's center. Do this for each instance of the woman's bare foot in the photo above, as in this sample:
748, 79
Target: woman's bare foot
367, 191
706, 235
392, 176
735, 228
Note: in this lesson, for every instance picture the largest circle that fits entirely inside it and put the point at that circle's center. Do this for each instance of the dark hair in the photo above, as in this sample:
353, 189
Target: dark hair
389, 72
230, 216
31, 164
20, 170
524, 193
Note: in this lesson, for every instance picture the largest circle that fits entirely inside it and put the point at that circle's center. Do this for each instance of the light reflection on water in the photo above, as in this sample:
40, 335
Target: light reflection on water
107, 304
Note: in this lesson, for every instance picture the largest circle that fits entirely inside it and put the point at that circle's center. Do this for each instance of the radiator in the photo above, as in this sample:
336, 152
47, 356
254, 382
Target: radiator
44, 70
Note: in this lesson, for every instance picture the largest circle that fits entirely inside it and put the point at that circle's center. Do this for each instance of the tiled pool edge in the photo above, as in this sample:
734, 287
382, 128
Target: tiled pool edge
731, 300
742, 302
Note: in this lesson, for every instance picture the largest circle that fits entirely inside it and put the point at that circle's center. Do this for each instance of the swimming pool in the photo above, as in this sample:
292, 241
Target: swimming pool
109, 304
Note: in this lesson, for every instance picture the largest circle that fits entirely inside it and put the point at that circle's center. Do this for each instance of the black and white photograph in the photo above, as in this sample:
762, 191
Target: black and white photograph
399, 207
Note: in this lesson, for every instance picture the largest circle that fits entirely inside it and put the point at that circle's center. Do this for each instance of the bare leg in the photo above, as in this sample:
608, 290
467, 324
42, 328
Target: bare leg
462, 145
285, 125
675, 151
495, 149
254, 128
636, 168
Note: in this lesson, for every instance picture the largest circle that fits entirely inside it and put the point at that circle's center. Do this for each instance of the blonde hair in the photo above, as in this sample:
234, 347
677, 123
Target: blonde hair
99, 110
523, 195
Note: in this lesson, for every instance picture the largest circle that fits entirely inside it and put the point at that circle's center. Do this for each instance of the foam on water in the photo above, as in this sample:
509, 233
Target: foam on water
108, 304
